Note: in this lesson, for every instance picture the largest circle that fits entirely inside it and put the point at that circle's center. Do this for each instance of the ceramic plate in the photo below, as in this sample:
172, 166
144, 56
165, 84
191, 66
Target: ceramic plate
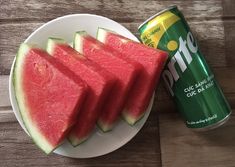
64, 27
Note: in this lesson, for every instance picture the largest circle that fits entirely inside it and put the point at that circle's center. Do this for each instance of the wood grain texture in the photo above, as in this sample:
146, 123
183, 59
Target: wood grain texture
11, 36
181, 146
211, 45
17, 149
164, 140
229, 27
4, 91
119, 10
228, 9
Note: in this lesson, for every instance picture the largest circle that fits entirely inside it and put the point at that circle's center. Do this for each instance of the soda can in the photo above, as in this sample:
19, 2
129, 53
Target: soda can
187, 76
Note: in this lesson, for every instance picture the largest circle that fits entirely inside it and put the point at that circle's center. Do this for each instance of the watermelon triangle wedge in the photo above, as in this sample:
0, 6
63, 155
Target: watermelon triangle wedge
153, 61
48, 106
123, 68
99, 82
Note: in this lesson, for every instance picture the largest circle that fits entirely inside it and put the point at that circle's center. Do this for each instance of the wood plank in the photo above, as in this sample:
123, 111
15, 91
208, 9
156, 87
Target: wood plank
4, 93
6, 115
229, 27
211, 45
210, 35
228, 9
17, 149
181, 146
118, 10
11, 36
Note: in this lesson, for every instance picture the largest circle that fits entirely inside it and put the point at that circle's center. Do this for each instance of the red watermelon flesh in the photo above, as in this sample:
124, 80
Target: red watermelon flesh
153, 61
124, 69
97, 78
48, 106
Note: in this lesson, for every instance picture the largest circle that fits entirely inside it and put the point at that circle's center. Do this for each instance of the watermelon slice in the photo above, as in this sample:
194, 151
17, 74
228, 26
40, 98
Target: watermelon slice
48, 106
124, 69
153, 61
97, 78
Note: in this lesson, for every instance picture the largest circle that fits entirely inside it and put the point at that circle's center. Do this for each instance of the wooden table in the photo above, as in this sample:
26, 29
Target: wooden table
164, 140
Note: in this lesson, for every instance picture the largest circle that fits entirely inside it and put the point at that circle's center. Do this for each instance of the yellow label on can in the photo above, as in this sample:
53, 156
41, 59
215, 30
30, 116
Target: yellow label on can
157, 27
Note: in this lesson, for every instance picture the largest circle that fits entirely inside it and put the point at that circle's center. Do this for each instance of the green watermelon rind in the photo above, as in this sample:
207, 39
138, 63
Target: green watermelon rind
74, 140
33, 131
101, 34
130, 119
77, 42
51, 42
104, 127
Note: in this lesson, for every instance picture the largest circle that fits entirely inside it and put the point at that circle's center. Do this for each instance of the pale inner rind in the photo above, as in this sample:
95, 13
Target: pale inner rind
78, 41
101, 35
51, 44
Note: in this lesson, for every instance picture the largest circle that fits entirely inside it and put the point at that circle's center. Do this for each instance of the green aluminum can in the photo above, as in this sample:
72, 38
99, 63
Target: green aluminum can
186, 75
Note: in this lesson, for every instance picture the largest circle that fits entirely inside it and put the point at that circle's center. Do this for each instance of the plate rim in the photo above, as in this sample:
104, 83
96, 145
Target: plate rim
12, 92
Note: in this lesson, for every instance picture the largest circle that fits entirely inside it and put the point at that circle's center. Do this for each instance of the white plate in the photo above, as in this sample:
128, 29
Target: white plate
64, 27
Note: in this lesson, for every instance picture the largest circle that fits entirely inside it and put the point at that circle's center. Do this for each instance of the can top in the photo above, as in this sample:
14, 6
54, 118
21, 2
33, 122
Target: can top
157, 14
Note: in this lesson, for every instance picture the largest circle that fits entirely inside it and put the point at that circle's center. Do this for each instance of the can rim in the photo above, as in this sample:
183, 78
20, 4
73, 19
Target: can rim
157, 14
213, 126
